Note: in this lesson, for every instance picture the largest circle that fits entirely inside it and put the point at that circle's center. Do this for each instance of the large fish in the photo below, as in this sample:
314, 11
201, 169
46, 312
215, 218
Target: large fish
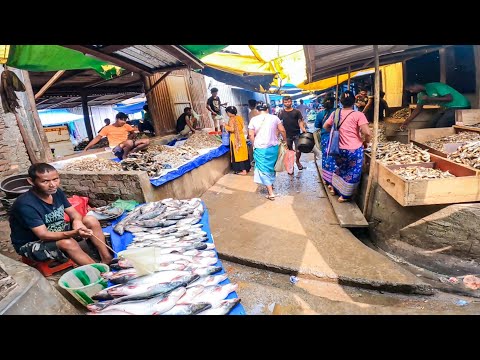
215, 294
187, 309
133, 289
150, 293
208, 280
221, 308
158, 304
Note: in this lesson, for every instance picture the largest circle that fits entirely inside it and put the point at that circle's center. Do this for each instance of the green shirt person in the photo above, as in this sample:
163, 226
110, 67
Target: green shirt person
437, 94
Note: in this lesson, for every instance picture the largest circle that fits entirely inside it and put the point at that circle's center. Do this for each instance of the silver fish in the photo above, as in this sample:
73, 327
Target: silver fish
222, 308
187, 309
150, 293
158, 304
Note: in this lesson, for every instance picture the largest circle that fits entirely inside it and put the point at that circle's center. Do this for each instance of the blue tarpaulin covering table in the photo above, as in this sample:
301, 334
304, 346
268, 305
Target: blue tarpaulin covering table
195, 163
120, 243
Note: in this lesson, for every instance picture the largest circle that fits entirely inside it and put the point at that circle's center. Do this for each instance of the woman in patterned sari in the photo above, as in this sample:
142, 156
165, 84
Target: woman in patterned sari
328, 162
238, 144
263, 131
349, 162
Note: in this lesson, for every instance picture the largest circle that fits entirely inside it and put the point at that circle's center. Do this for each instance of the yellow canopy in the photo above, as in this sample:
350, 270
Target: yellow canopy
288, 61
392, 80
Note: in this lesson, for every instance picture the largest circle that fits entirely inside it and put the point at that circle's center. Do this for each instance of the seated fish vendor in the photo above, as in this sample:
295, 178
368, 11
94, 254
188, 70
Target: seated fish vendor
186, 122
38, 228
121, 137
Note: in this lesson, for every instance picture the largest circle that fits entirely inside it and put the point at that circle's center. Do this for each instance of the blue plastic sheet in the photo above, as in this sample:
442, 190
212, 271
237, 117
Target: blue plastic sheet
120, 242
199, 161
174, 141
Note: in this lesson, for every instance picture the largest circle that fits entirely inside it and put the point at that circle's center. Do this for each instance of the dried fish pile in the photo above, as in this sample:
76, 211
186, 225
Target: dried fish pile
395, 153
183, 282
412, 173
93, 164
468, 154
401, 114
381, 133
202, 140
158, 158
461, 137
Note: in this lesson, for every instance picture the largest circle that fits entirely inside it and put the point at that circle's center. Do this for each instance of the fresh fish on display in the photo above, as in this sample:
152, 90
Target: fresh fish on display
202, 253
215, 294
110, 312
221, 308
187, 309
203, 270
208, 280
158, 304
153, 291
132, 289
191, 294
121, 276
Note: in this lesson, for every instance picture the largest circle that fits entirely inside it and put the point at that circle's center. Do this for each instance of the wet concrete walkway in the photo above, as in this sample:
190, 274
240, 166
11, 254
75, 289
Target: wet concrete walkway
297, 233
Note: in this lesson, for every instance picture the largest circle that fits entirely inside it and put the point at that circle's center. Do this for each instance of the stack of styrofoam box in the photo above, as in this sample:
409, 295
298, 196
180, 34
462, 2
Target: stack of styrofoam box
59, 139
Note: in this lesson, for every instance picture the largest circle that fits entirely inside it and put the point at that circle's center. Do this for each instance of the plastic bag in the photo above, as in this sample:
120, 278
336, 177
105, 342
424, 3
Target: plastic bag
280, 165
80, 203
334, 142
289, 161
225, 138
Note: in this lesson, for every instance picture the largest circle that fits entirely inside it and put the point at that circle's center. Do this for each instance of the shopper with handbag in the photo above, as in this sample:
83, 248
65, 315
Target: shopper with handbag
349, 154
263, 133
328, 162
238, 144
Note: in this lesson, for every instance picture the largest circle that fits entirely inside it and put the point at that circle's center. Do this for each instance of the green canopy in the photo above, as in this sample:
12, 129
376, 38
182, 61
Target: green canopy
203, 50
54, 57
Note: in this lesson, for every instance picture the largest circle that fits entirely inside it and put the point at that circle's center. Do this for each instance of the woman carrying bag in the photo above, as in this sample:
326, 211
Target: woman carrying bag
238, 144
349, 157
263, 131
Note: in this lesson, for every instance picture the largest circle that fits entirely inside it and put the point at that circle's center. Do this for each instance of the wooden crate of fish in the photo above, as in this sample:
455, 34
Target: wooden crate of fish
443, 141
424, 187
467, 117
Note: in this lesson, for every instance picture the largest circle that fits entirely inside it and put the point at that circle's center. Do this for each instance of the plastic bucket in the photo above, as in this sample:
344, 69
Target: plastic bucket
84, 281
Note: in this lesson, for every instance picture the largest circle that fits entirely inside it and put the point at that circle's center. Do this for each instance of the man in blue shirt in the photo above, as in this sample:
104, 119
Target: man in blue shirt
37, 222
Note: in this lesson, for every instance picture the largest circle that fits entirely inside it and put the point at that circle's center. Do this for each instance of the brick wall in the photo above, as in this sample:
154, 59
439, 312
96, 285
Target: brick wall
13, 154
106, 187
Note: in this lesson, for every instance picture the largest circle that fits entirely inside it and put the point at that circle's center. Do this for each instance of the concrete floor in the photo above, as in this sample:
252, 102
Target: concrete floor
264, 292
297, 233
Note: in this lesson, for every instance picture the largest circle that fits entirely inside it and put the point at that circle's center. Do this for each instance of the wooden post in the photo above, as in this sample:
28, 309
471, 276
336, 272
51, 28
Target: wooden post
86, 116
157, 82
476, 52
336, 94
32, 113
443, 66
376, 111
349, 74
49, 83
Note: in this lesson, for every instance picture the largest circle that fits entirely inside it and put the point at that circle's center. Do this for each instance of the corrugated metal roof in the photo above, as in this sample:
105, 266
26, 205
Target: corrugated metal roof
150, 56
328, 60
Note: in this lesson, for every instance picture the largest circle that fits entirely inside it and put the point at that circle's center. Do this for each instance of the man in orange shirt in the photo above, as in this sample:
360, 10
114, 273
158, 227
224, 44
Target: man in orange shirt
121, 137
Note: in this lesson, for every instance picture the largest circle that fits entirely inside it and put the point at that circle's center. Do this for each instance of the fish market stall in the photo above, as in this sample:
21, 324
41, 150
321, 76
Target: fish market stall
443, 141
182, 171
179, 233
